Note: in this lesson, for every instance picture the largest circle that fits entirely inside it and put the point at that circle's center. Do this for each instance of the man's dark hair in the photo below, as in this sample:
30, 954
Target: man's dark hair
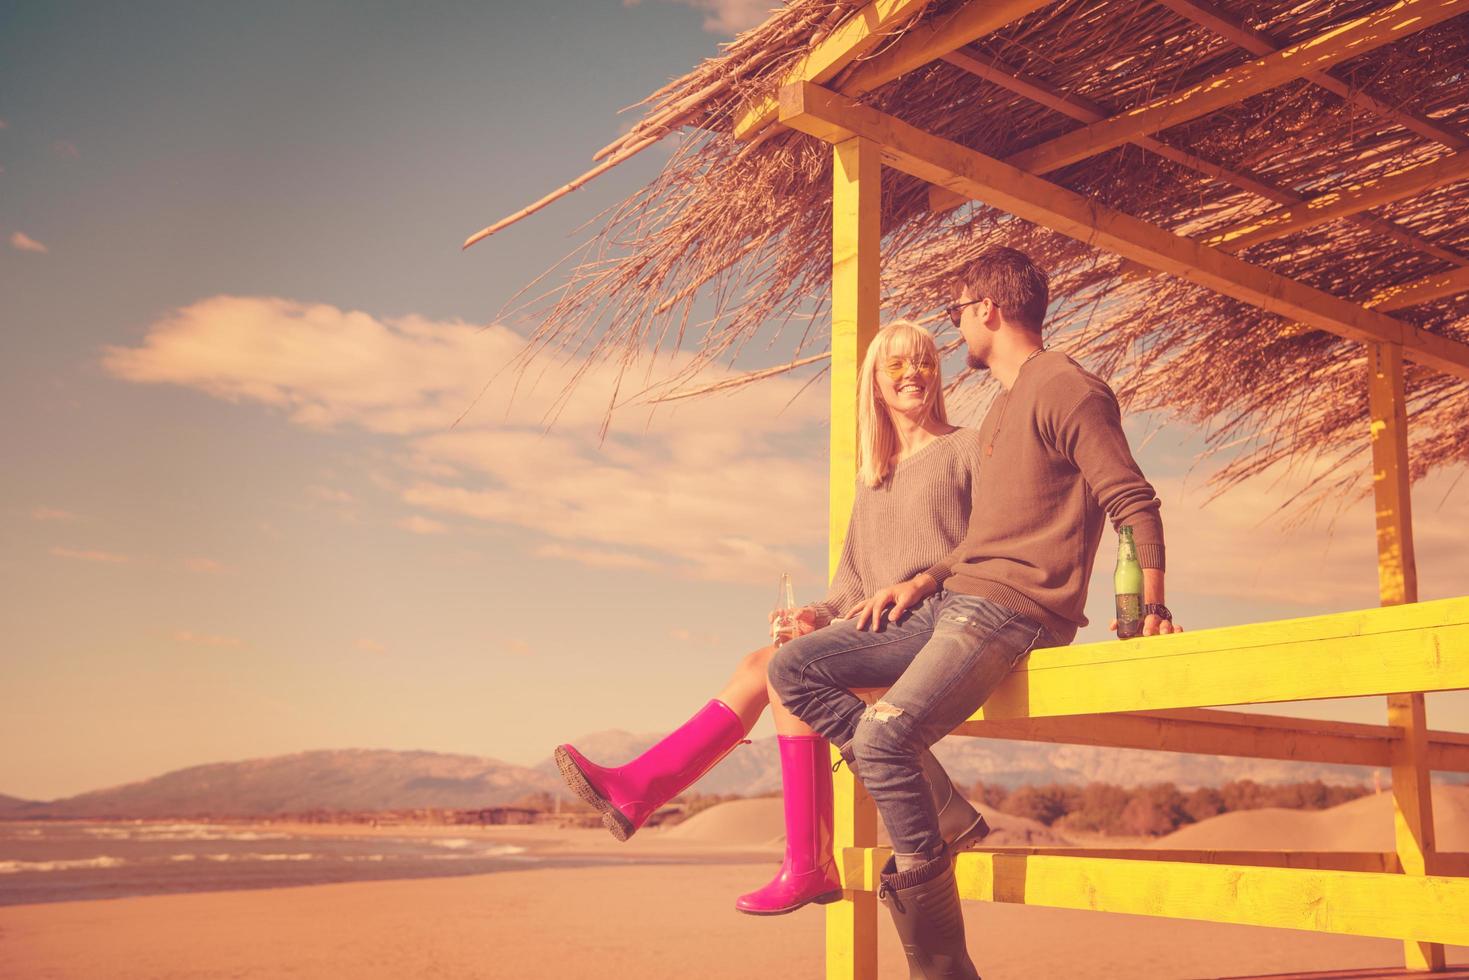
1018, 286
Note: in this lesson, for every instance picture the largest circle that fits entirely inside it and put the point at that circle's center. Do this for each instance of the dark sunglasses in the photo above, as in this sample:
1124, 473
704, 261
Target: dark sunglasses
956, 309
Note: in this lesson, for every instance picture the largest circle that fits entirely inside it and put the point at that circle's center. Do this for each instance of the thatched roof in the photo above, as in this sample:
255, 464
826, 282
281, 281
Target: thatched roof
743, 227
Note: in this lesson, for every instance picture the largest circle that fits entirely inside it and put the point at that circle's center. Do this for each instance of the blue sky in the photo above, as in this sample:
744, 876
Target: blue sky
238, 327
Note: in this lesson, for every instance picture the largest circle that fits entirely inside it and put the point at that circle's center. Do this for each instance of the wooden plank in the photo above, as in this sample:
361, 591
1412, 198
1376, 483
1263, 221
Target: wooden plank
861, 865
1351, 199
851, 924
935, 38
1429, 908
853, 38
1421, 647
1387, 407
1256, 42
1348, 40
830, 117
1084, 110
1145, 730
1425, 290
1238, 734
1358, 903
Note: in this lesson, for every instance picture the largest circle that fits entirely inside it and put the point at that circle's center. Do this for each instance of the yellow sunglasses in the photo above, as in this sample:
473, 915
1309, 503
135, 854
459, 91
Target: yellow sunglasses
896, 367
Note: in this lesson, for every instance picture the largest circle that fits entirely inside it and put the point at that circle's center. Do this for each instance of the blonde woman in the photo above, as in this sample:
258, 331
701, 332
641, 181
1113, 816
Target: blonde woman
916, 474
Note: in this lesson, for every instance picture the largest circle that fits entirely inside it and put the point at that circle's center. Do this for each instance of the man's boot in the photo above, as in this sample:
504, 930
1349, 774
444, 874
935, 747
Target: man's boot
924, 902
960, 824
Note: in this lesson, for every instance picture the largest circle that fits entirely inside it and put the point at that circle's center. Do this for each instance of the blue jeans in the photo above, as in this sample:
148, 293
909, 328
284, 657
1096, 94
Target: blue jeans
940, 664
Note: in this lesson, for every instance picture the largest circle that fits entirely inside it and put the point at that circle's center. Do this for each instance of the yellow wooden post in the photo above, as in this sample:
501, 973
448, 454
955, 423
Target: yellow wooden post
851, 924
1397, 578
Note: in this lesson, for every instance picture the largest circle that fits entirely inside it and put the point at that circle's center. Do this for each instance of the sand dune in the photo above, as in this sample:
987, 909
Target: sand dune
1364, 824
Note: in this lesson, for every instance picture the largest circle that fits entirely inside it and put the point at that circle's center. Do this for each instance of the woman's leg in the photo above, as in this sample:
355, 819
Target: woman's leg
745, 692
785, 722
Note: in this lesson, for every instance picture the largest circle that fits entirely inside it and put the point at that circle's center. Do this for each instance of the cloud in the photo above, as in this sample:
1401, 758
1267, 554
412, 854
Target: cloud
208, 640
595, 558
727, 17
517, 648
370, 646
44, 513
4, 124
104, 557
66, 150
205, 566
25, 243
722, 488
418, 524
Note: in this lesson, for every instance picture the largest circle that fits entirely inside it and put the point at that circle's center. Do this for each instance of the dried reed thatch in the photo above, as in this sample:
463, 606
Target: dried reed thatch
746, 227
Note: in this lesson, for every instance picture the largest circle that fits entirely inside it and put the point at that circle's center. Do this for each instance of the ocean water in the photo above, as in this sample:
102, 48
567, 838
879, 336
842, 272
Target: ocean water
62, 862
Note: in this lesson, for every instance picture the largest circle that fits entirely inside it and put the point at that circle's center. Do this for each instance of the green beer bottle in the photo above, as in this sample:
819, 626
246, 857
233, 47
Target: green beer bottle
1127, 583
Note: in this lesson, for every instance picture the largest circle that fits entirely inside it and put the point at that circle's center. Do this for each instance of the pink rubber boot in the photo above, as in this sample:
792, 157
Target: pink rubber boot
808, 873
628, 795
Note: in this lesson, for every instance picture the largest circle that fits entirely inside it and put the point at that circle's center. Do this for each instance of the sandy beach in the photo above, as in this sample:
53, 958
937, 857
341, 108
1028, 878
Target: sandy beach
637, 921
641, 919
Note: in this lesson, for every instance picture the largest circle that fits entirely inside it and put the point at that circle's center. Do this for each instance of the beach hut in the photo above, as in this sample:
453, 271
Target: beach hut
1253, 214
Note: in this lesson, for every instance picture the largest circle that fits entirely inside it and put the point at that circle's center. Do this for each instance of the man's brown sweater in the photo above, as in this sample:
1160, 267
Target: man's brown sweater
1055, 460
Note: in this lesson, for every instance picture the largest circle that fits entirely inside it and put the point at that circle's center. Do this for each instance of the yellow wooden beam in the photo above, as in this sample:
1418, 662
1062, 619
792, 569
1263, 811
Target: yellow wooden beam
1387, 407
1344, 202
918, 46
935, 38
1208, 731
1397, 577
860, 866
1437, 286
851, 924
1420, 647
1228, 26
1358, 903
831, 117
1348, 40
853, 38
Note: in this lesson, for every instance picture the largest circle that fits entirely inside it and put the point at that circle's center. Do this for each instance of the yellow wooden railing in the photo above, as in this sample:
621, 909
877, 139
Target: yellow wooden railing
1147, 693
1159, 693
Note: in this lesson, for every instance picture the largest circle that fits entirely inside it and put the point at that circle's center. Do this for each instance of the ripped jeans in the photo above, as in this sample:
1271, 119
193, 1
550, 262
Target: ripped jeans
940, 664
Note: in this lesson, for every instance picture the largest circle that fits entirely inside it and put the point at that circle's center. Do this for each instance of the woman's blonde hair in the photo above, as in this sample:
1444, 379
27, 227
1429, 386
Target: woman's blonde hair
877, 440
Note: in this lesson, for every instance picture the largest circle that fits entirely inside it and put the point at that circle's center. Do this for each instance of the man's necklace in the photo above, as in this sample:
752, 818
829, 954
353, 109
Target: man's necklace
989, 450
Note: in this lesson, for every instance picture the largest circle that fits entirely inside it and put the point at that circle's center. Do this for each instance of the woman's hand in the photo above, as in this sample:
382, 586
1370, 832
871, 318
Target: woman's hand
786, 625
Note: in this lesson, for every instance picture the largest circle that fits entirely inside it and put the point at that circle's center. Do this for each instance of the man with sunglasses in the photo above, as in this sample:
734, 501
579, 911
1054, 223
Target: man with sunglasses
1056, 466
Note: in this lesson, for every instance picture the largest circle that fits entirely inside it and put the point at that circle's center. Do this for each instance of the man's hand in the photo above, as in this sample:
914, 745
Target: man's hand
1153, 626
895, 601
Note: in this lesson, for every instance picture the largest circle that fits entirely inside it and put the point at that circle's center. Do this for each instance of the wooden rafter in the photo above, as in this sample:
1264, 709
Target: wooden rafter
830, 117
1086, 111
1343, 202
1341, 43
853, 38
935, 38
1226, 25
1425, 290
920, 45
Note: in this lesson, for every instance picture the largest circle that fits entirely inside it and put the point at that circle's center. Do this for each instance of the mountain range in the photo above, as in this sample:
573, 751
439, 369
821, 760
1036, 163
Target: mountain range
380, 779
